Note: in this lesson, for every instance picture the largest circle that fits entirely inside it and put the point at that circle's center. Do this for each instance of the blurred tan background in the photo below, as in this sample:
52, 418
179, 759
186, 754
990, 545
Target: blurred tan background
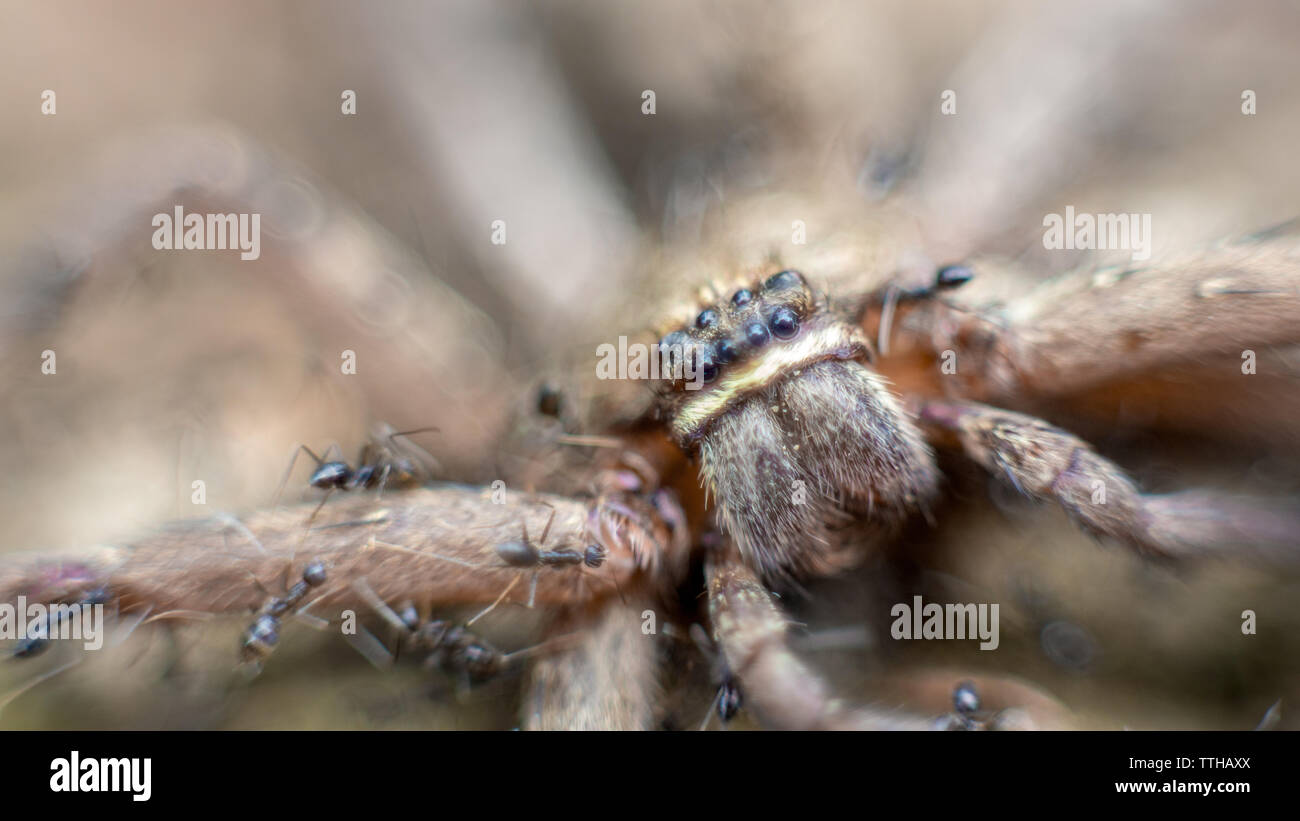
176, 366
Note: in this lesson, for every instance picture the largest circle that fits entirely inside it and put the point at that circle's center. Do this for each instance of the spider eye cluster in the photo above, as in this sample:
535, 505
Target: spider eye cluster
739, 327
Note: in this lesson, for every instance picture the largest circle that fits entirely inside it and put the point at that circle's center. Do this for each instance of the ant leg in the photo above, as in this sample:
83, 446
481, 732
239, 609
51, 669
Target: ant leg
259, 584
370, 597
289, 471
432, 466
314, 622
532, 591
713, 706
9, 698
364, 642
426, 554
234, 523
307, 525
412, 432
371, 649
546, 530
494, 604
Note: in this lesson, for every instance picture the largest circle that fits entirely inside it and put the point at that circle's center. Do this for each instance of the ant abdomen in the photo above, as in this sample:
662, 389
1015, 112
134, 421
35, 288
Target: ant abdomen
517, 554
260, 638
331, 476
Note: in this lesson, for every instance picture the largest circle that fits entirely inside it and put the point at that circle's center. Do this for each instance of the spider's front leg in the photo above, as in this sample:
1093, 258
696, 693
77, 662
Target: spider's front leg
784, 692
1049, 464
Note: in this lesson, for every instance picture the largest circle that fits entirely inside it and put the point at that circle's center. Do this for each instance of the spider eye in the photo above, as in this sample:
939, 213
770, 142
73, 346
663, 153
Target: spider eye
783, 281
756, 334
952, 276
706, 362
742, 297
728, 352
783, 322
707, 318
548, 400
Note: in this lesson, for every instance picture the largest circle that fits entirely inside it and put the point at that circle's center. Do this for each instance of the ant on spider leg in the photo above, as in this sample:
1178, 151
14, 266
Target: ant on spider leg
729, 698
262, 636
452, 648
525, 554
967, 711
382, 462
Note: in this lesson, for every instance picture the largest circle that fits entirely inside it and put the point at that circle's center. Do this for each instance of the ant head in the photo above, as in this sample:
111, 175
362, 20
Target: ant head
517, 554
314, 574
594, 555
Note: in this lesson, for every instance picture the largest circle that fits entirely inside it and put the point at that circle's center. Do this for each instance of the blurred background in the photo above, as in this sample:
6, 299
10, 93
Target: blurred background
376, 238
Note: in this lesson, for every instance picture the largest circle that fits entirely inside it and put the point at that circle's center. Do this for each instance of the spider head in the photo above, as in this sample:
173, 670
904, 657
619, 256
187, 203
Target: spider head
796, 436
727, 337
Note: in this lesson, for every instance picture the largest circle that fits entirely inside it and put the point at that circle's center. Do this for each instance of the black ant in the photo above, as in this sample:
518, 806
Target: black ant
729, 699
946, 278
456, 650
524, 553
382, 462
263, 634
452, 647
966, 711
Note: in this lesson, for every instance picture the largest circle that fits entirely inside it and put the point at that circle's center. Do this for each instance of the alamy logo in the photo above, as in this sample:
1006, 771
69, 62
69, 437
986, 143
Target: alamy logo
215, 232
637, 360
1106, 232
77, 774
38, 623
946, 621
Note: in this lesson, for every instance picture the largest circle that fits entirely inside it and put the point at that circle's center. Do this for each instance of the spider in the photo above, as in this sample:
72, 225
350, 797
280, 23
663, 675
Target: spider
852, 366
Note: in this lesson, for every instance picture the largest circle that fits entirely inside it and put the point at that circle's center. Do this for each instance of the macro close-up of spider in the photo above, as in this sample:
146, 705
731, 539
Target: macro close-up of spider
827, 366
